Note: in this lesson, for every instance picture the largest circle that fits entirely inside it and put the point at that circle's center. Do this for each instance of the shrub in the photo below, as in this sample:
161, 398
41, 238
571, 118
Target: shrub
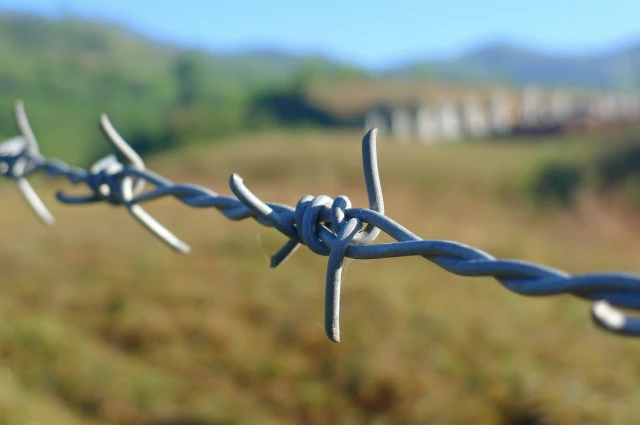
556, 183
617, 165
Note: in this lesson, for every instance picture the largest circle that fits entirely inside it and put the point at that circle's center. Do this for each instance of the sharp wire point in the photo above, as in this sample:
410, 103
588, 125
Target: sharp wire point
20, 156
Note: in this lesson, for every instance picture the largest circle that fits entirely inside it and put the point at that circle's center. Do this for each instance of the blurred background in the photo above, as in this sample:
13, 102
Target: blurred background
514, 128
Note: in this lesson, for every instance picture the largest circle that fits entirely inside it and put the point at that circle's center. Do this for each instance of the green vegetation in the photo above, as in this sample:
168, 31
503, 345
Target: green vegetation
611, 171
158, 96
556, 183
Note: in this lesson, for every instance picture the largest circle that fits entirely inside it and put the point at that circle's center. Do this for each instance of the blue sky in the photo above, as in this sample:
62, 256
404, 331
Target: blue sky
370, 33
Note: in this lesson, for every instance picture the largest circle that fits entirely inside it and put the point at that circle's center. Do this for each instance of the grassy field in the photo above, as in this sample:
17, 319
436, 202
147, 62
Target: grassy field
101, 324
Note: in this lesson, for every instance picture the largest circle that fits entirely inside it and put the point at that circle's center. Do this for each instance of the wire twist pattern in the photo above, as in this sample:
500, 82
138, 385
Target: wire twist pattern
328, 227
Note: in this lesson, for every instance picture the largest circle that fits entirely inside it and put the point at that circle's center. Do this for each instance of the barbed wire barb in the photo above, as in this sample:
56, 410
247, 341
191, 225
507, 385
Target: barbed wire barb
25, 152
328, 227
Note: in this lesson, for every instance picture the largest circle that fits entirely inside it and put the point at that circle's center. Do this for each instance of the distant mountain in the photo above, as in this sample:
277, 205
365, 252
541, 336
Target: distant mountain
502, 62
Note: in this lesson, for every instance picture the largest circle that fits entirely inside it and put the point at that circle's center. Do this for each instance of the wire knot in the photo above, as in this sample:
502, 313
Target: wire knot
105, 180
16, 159
316, 217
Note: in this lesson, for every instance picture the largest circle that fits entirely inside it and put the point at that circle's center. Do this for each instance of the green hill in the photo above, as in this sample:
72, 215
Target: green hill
69, 71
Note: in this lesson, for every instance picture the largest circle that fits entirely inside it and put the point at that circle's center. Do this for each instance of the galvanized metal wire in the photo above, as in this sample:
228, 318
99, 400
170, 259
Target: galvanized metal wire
328, 227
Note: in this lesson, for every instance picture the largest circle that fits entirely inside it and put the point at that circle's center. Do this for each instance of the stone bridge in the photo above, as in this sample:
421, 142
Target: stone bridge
502, 114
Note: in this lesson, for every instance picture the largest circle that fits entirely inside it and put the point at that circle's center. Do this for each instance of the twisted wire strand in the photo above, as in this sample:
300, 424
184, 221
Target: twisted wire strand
328, 227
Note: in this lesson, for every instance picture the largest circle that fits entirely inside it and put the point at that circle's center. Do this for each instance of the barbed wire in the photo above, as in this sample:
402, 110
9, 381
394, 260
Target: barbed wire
328, 227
